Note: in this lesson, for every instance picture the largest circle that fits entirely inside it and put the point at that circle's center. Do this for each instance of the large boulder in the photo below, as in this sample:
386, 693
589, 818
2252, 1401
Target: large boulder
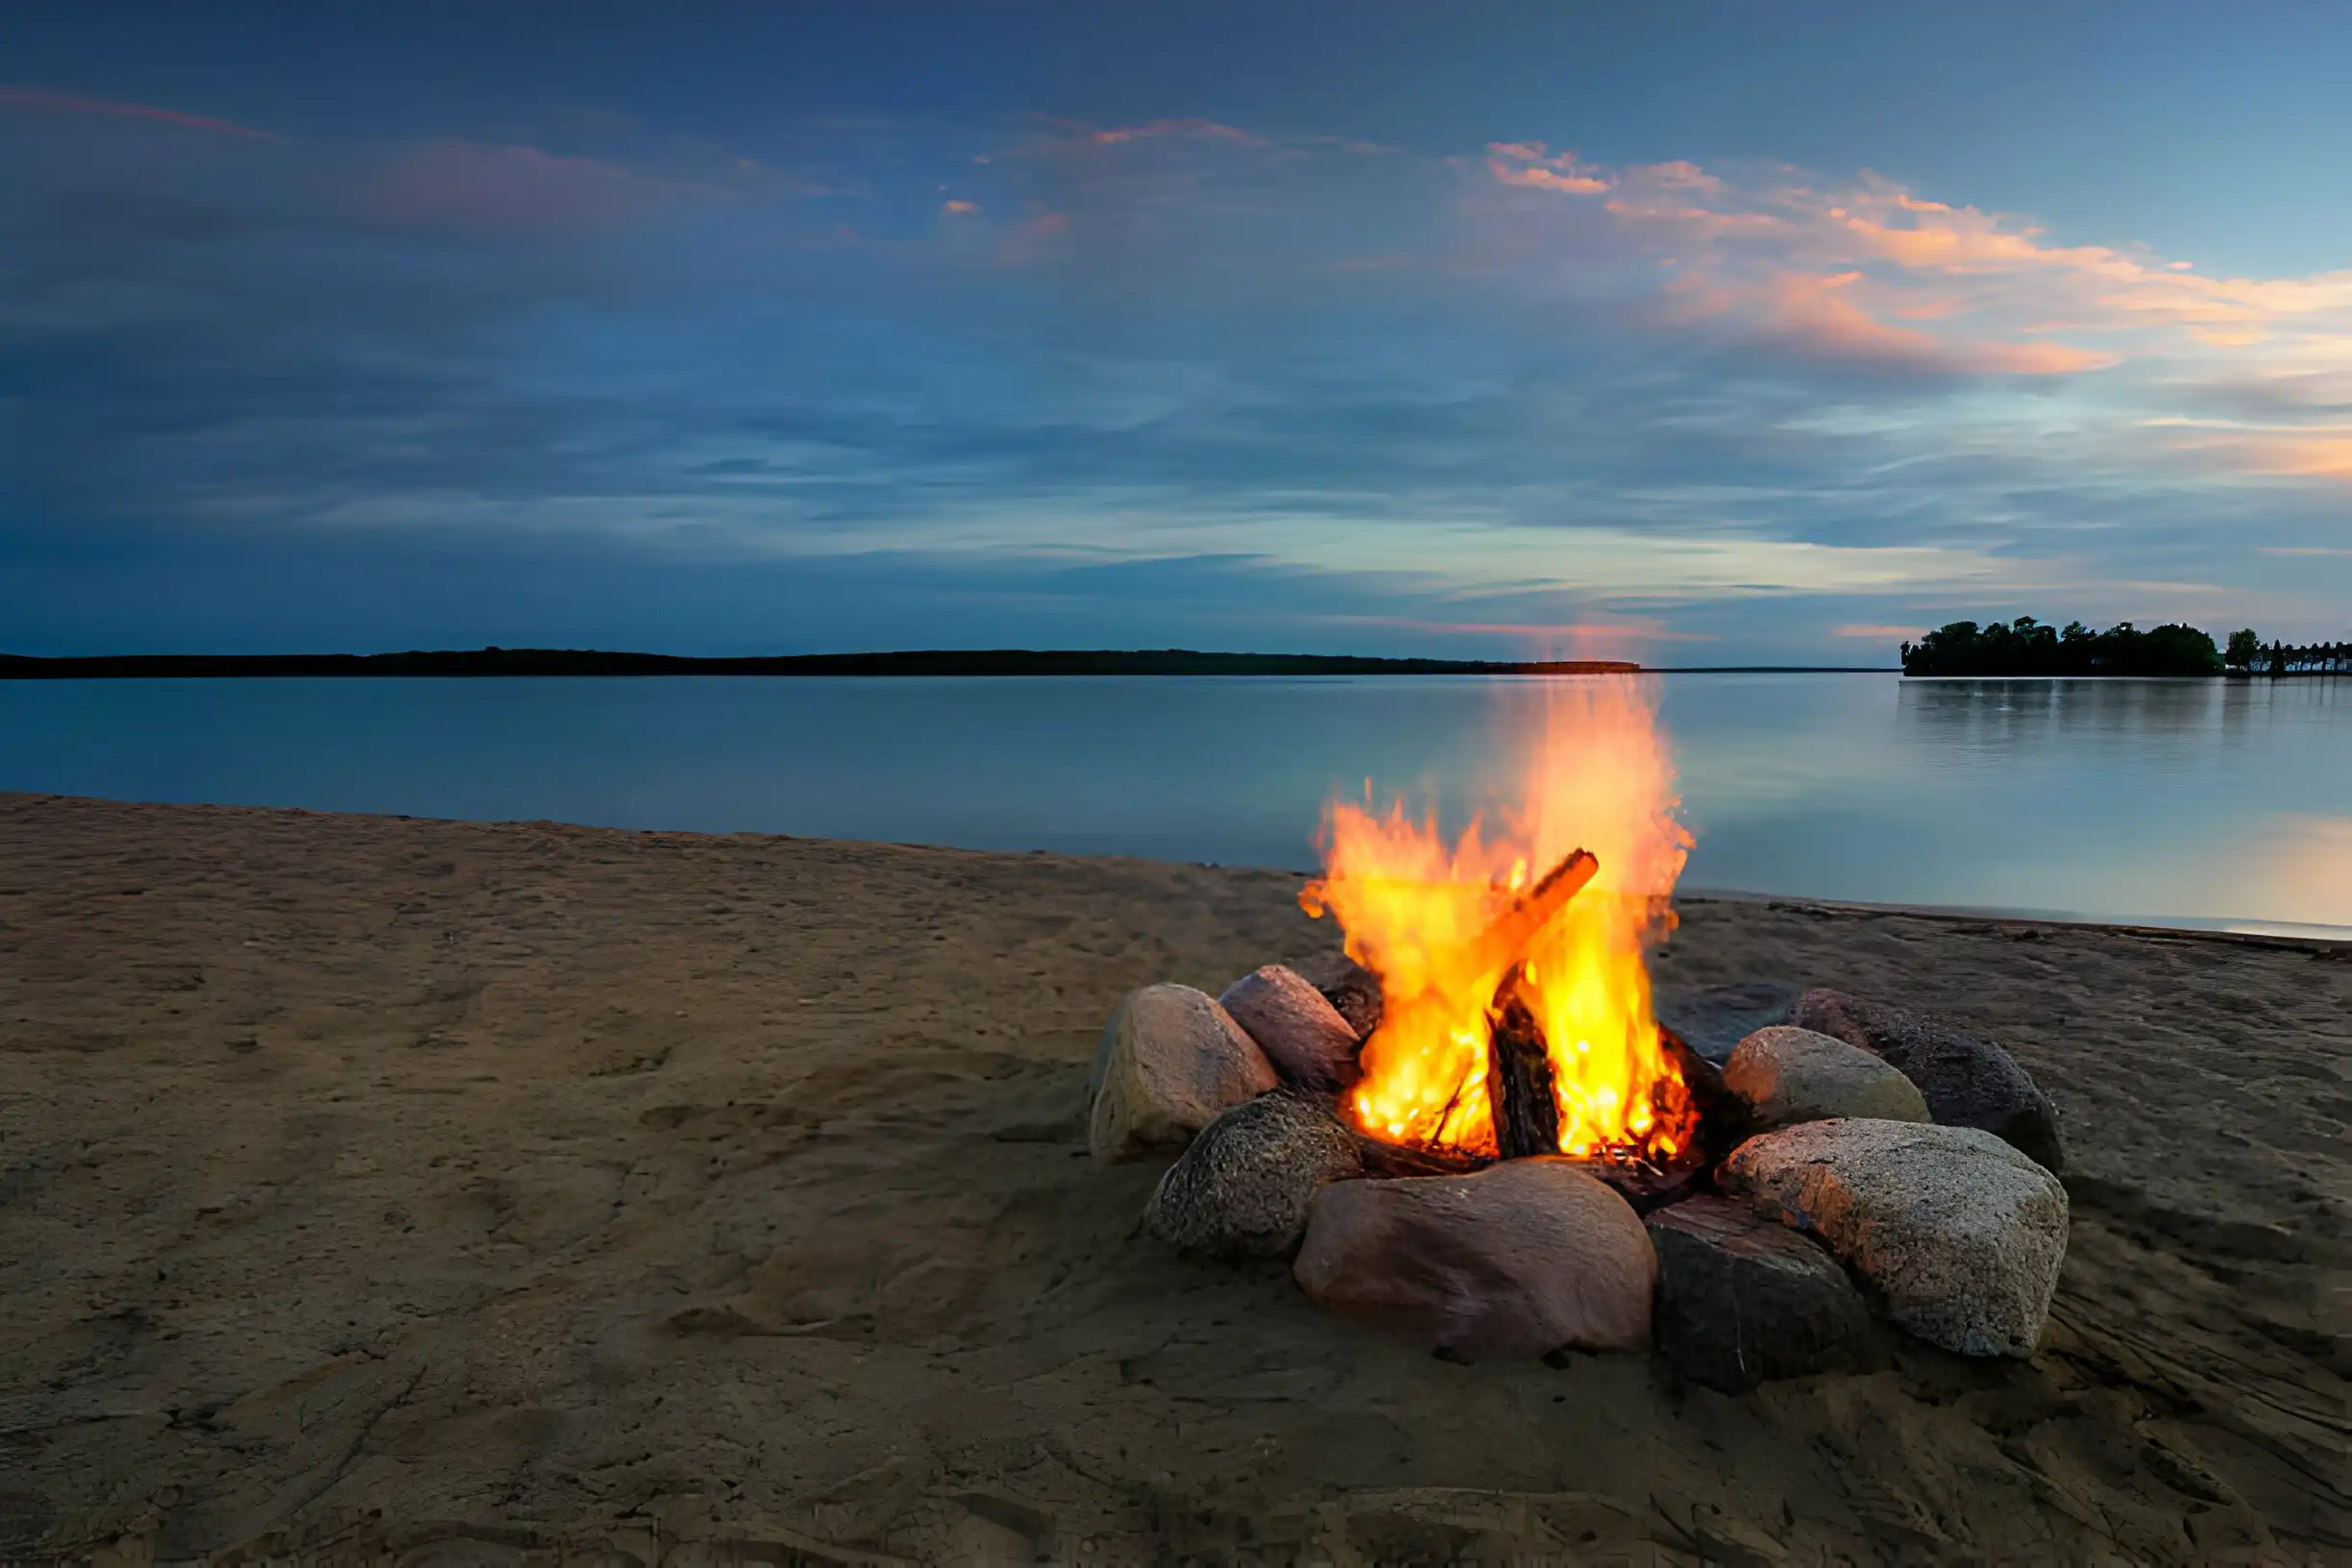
1301, 1033
1784, 1076
1171, 1060
1351, 989
1960, 1234
1742, 1299
1967, 1081
1713, 1019
1243, 1186
1518, 1260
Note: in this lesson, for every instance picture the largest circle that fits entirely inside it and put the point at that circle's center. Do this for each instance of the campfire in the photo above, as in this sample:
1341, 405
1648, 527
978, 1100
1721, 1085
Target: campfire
1516, 1011
1472, 1130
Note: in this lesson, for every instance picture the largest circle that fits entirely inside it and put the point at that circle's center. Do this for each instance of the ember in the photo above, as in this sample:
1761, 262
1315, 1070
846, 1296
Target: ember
1516, 1013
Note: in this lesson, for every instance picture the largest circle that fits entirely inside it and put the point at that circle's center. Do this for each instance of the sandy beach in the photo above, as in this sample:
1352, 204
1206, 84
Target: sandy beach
371, 1186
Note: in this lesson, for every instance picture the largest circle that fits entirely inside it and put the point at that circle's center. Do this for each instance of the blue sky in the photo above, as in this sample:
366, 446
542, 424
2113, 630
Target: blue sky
1690, 333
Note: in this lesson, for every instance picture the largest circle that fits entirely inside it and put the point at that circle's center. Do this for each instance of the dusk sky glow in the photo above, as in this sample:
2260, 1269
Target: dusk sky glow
1695, 334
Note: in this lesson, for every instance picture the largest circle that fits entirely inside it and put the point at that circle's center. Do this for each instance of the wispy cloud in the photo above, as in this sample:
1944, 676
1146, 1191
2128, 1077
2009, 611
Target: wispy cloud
1208, 130
44, 101
516, 188
1871, 273
1529, 164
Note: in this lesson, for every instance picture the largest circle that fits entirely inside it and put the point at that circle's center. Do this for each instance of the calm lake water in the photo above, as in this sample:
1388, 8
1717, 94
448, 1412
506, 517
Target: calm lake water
2197, 802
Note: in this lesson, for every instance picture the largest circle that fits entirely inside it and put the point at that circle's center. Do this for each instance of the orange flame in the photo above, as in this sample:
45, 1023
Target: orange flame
1414, 909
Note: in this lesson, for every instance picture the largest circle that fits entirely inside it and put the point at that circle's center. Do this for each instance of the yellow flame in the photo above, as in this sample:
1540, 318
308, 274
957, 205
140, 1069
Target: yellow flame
1412, 904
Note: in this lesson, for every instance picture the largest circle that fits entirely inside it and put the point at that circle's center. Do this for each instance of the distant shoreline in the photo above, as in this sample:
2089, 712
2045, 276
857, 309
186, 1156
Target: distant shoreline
511, 662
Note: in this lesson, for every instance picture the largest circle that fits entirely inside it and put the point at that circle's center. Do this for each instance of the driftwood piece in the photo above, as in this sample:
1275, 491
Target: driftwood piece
1519, 1088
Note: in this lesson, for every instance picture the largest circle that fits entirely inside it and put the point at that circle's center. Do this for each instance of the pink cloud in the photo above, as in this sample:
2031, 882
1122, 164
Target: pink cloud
1820, 316
1678, 176
959, 207
1033, 239
1583, 632
1698, 222
513, 188
42, 101
1859, 272
1877, 633
1528, 165
2325, 455
1871, 273
1209, 129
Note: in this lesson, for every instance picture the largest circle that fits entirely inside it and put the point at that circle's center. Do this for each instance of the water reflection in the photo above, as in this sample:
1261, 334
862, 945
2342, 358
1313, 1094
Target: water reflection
2185, 799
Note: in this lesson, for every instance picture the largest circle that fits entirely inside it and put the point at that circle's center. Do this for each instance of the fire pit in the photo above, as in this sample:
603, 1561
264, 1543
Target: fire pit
1460, 1126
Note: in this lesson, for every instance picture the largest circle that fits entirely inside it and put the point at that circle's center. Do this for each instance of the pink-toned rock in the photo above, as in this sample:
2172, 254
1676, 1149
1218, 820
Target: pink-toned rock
1347, 985
1301, 1033
1171, 1059
1520, 1259
1961, 1234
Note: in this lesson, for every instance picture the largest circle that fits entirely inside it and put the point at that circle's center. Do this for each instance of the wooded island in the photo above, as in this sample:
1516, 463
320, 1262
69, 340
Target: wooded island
2027, 646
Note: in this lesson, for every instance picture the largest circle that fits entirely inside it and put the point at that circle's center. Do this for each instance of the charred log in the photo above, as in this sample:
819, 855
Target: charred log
1519, 1087
1646, 1187
1723, 1117
1383, 1158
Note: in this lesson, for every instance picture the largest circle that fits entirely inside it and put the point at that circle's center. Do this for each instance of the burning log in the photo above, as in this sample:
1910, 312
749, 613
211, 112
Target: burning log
1507, 939
1519, 1086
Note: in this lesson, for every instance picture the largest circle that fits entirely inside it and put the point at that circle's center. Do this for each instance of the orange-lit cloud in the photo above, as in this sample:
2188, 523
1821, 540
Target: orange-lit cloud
2283, 451
1824, 317
959, 207
1876, 634
1209, 129
42, 101
1647, 630
2316, 456
1526, 164
1871, 274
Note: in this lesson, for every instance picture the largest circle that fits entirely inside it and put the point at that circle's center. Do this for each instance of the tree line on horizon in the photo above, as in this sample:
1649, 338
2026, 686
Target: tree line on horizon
2027, 646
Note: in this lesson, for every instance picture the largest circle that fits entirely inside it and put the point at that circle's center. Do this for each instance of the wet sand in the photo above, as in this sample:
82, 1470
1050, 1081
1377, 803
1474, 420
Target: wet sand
367, 1184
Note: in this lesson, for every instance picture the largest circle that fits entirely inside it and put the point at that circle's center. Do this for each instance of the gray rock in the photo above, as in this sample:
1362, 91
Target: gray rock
1351, 989
1960, 1234
1784, 1075
1301, 1033
1967, 1081
1714, 1019
1518, 1260
1742, 1299
1243, 1187
1171, 1060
